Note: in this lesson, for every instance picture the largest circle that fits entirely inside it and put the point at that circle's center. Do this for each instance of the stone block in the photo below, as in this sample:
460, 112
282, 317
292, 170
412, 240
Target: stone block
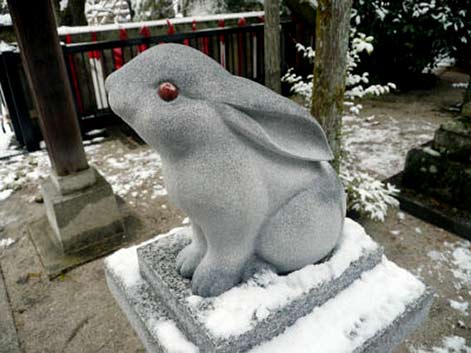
453, 140
74, 182
81, 218
259, 319
428, 171
322, 307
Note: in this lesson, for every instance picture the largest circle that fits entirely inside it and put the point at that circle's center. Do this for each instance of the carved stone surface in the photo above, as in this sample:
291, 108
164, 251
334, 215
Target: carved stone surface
249, 167
266, 318
344, 298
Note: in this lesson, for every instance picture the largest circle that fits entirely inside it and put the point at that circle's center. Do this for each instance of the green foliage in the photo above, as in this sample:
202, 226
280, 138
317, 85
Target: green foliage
413, 35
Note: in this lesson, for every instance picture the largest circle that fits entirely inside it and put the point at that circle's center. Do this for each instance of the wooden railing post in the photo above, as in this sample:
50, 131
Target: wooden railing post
43, 60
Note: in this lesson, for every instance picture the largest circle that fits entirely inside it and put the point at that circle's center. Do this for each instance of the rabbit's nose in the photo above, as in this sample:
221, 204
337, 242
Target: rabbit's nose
167, 91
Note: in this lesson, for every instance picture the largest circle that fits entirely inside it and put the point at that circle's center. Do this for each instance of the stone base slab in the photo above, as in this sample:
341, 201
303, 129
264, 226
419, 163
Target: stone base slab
263, 319
431, 173
80, 219
453, 140
73, 182
347, 315
54, 261
444, 215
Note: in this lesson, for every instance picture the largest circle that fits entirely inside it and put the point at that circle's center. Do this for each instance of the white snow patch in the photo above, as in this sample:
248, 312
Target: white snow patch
267, 291
124, 263
186, 221
63, 30
460, 85
5, 243
171, 338
460, 306
127, 173
345, 322
381, 148
450, 344
418, 230
5, 140
21, 170
462, 260
131, 172
431, 151
4, 194
457, 257
5, 20
395, 232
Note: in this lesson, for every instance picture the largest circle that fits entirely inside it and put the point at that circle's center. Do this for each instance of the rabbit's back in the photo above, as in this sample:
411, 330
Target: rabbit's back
305, 228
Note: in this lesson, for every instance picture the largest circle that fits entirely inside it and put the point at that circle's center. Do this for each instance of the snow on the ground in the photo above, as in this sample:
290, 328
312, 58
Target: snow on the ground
457, 257
127, 170
450, 344
22, 170
460, 306
5, 144
5, 243
381, 147
255, 300
460, 85
340, 325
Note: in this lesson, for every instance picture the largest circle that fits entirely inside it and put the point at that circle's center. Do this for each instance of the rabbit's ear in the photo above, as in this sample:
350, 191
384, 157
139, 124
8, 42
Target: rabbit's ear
275, 122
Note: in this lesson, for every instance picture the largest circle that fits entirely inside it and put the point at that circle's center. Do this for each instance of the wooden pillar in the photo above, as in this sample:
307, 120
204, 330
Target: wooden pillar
272, 45
43, 60
330, 64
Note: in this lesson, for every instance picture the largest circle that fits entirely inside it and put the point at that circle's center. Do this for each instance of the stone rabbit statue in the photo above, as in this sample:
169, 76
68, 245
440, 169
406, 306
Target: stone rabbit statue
248, 166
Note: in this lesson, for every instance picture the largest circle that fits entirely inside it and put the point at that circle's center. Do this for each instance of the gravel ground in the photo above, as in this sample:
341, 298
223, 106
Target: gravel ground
76, 313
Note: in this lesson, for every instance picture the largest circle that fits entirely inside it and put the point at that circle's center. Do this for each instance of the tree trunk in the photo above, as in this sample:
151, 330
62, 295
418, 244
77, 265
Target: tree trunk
272, 45
330, 64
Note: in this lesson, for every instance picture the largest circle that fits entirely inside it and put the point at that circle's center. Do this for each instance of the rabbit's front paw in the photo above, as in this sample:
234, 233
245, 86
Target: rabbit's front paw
211, 280
188, 260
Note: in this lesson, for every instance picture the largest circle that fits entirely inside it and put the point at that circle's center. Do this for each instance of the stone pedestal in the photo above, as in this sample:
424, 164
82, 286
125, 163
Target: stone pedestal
442, 168
83, 221
436, 182
356, 299
81, 210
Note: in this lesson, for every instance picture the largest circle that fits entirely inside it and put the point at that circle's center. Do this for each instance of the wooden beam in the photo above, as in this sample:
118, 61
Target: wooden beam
43, 60
272, 45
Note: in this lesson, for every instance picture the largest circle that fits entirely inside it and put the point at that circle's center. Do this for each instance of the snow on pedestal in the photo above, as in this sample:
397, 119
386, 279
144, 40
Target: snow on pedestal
371, 308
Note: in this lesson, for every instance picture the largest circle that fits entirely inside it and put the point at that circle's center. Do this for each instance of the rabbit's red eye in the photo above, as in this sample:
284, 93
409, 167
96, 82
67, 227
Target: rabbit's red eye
167, 91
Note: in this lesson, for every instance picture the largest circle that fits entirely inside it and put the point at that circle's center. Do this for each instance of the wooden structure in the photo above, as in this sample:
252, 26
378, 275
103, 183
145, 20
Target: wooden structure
43, 60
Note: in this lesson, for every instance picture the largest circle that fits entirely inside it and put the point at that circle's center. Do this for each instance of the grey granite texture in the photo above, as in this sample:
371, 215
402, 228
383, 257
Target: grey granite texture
386, 340
157, 264
82, 218
248, 166
140, 306
146, 310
